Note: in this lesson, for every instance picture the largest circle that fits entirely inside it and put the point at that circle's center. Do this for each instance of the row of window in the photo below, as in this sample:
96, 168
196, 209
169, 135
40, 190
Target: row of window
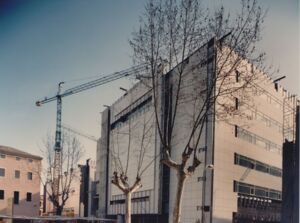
266, 120
17, 174
256, 165
133, 114
140, 202
259, 116
3, 156
256, 140
16, 196
133, 105
250, 189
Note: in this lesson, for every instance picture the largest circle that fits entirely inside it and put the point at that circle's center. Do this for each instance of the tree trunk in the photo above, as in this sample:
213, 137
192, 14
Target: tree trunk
58, 211
128, 207
178, 199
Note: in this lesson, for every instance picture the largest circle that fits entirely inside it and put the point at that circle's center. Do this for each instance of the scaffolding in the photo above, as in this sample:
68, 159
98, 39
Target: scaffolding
289, 118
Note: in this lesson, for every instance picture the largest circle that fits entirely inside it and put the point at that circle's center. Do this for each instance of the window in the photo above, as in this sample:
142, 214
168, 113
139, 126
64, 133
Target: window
261, 192
275, 171
261, 167
2, 156
17, 174
236, 103
256, 140
30, 160
276, 86
237, 76
1, 194
29, 196
254, 164
16, 197
18, 158
2, 172
29, 175
249, 189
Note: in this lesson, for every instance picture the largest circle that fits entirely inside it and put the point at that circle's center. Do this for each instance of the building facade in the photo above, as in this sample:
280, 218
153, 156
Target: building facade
88, 199
19, 182
239, 178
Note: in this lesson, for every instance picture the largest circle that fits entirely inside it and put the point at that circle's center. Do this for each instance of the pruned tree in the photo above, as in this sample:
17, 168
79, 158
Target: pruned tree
71, 153
170, 33
132, 154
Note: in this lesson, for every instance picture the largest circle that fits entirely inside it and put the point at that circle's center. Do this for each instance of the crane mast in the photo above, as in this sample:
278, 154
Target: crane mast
58, 97
57, 146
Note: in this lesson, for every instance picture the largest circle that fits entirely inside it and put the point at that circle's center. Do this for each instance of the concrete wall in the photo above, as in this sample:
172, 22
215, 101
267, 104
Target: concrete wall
259, 108
125, 140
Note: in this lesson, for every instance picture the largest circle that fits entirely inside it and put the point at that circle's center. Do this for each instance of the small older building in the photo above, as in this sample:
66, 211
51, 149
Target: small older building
19, 182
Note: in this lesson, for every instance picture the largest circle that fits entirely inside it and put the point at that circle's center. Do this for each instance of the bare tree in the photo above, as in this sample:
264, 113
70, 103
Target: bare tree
132, 153
71, 153
169, 33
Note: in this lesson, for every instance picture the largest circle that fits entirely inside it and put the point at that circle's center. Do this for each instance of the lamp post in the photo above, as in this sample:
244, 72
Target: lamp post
203, 207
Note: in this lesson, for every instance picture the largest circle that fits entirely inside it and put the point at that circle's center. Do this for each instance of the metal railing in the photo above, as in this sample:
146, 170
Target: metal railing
52, 219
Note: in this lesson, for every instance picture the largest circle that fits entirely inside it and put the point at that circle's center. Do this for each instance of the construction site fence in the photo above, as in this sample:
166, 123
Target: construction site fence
56, 219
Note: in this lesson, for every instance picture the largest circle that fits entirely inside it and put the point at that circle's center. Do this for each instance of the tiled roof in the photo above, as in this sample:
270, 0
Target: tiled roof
15, 152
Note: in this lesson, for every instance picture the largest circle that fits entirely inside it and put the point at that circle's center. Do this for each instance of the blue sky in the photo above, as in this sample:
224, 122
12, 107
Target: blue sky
45, 42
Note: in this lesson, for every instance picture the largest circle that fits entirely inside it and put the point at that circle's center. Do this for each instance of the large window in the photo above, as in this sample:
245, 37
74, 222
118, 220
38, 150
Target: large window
258, 191
256, 140
2, 172
256, 165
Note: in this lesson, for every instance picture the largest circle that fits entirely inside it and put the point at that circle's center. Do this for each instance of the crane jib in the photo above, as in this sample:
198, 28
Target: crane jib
95, 83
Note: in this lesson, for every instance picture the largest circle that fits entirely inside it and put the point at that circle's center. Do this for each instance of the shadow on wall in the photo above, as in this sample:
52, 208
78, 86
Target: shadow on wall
24, 208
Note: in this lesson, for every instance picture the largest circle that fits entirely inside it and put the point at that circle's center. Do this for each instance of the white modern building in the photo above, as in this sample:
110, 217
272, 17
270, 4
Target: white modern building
239, 178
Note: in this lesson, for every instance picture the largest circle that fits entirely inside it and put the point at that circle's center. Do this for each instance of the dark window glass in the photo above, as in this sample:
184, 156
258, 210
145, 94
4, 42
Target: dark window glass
243, 189
237, 76
254, 164
261, 167
273, 195
246, 162
236, 103
2, 172
17, 174
236, 158
235, 189
1, 194
16, 197
18, 158
2, 156
275, 171
236, 131
276, 86
28, 196
261, 192
29, 176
